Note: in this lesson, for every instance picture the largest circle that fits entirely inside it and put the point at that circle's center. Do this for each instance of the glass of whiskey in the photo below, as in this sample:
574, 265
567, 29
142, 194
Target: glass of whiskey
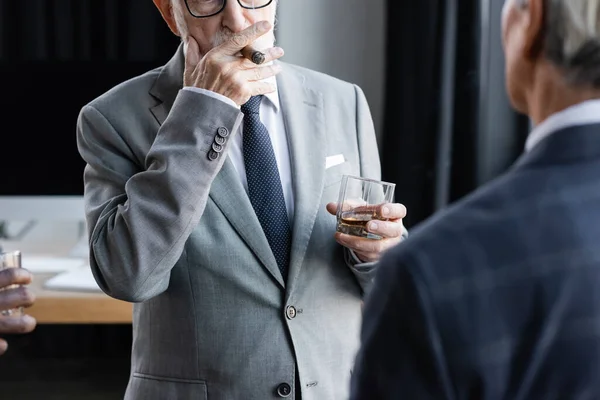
359, 202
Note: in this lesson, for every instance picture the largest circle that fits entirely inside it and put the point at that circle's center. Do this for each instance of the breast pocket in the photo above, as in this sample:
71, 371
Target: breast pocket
333, 175
151, 387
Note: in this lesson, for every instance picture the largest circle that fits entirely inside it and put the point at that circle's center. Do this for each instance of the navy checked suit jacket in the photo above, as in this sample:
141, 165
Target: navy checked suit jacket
497, 297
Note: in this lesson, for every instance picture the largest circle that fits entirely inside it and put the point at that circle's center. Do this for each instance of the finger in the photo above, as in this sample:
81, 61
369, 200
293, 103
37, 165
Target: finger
260, 73
15, 276
274, 53
271, 55
17, 297
365, 246
367, 257
388, 229
258, 88
3, 346
192, 54
392, 211
242, 39
22, 324
331, 208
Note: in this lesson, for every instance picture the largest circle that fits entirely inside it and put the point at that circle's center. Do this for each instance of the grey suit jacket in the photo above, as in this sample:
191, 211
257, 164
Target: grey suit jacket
174, 231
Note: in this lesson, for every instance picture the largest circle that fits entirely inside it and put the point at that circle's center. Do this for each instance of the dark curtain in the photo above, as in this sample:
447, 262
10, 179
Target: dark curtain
56, 56
501, 132
411, 112
83, 30
448, 125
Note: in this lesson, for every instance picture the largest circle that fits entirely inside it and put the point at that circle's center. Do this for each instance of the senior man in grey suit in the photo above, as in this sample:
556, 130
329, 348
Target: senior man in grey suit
206, 187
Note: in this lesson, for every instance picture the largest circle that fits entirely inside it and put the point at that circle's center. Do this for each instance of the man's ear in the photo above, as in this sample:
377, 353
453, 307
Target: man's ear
533, 41
166, 10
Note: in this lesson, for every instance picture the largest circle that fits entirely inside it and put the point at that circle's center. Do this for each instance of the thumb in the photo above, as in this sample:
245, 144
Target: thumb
192, 54
332, 208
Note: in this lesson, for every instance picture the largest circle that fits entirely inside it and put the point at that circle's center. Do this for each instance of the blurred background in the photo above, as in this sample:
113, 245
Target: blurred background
432, 72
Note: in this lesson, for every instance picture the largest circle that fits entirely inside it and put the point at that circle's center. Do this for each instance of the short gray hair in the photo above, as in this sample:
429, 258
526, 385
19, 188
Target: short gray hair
572, 39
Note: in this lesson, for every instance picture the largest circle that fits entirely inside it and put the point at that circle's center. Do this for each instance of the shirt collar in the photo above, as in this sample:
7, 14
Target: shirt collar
587, 112
274, 96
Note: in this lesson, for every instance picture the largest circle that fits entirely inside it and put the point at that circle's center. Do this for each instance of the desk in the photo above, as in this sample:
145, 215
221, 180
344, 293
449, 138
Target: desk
63, 307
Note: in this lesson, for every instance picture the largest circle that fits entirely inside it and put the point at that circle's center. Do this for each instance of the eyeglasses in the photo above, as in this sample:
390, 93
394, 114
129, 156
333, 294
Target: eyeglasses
208, 8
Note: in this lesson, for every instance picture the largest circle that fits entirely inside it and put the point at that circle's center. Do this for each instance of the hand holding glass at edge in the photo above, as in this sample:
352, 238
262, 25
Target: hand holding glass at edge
367, 221
14, 296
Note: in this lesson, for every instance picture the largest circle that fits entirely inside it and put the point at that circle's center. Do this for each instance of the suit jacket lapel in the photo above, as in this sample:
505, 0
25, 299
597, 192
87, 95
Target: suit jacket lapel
231, 198
302, 109
167, 85
226, 191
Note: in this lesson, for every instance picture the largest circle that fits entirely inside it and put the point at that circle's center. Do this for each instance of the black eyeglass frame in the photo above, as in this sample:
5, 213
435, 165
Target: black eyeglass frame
223, 7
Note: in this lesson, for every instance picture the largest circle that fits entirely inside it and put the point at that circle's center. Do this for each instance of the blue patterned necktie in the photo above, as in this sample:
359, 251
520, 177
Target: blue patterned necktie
264, 184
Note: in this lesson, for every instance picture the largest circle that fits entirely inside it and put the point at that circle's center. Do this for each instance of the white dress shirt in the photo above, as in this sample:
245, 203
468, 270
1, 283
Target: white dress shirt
271, 116
584, 113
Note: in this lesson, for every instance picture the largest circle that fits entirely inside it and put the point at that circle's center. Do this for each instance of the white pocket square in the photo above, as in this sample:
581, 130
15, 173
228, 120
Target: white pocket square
332, 161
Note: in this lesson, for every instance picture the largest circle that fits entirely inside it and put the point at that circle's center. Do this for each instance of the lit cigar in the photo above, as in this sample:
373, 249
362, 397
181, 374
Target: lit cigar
257, 57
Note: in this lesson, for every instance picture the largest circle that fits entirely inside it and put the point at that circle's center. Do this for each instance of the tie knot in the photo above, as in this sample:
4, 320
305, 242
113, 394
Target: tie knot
252, 106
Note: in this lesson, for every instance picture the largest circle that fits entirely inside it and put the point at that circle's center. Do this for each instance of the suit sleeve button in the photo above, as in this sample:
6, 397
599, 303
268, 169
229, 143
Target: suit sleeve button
213, 155
217, 147
223, 132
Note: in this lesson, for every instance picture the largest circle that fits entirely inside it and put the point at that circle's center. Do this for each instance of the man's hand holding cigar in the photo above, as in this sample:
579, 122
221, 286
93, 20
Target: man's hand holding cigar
233, 69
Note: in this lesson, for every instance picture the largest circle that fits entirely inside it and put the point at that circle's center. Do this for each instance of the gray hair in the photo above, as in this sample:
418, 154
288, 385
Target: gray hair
572, 39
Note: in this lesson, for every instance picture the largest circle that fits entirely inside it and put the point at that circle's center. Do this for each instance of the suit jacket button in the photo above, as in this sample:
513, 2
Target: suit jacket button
220, 140
213, 155
223, 132
217, 147
290, 312
284, 390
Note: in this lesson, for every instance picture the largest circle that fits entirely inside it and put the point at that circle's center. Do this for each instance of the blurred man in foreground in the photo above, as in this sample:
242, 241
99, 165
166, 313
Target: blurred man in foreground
498, 296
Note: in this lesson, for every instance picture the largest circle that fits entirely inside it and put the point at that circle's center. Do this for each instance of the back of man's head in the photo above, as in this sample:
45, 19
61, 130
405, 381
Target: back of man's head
572, 39
552, 50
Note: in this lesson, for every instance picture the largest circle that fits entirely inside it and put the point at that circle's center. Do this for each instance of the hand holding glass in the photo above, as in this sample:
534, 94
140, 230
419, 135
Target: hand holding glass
10, 260
359, 202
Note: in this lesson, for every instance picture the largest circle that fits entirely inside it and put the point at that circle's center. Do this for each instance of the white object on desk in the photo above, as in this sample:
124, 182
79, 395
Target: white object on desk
81, 248
42, 208
80, 279
37, 264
